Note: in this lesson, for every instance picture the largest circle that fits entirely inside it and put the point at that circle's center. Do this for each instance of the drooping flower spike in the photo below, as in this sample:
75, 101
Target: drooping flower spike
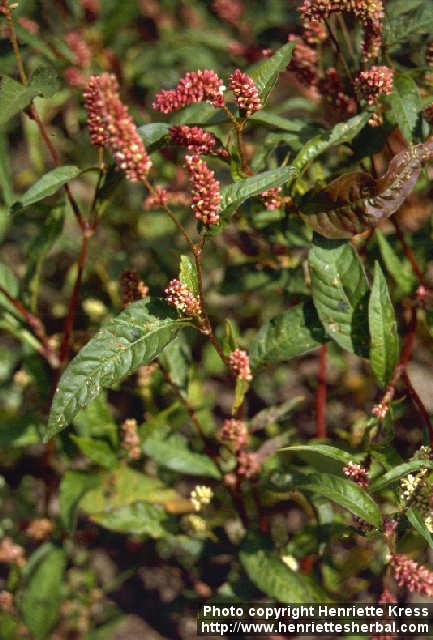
245, 92
195, 86
111, 126
206, 197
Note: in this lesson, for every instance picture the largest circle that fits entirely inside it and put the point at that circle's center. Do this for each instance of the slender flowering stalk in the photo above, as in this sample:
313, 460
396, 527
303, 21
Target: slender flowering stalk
356, 473
375, 82
206, 197
178, 295
245, 92
239, 363
195, 86
410, 574
111, 125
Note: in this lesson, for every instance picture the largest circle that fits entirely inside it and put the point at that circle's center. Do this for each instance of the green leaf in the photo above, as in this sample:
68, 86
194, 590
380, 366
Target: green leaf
398, 472
405, 105
343, 492
400, 270
96, 420
97, 450
124, 486
133, 338
404, 29
342, 132
73, 486
46, 186
41, 599
339, 288
265, 73
45, 81
172, 452
188, 274
384, 343
176, 358
241, 389
10, 283
50, 230
323, 450
418, 523
14, 97
136, 518
154, 134
288, 335
20, 431
235, 194
274, 578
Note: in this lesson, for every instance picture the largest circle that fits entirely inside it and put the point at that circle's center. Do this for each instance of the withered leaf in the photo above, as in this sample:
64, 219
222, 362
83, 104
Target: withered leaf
356, 201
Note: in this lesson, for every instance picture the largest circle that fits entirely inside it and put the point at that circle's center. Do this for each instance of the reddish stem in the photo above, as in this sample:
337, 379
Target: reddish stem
73, 302
321, 394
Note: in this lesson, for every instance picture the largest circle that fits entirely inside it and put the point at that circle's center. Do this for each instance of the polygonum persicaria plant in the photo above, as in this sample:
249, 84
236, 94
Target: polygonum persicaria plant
216, 309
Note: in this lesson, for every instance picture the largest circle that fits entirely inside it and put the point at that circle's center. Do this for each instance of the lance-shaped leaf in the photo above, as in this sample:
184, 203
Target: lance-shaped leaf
188, 274
339, 288
342, 132
405, 105
273, 577
384, 345
265, 73
343, 492
46, 186
355, 201
134, 337
288, 335
154, 134
235, 194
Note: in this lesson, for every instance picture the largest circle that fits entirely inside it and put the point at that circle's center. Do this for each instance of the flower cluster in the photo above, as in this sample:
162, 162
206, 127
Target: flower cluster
200, 496
356, 473
11, 553
248, 464
206, 196
234, 431
303, 62
416, 491
111, 125
410, 574
331, 87
245, 92
375, 82
79, 48
229, 10
182, 298
195, 139
195, 86
132, 287
39, 529
272, 198
157, 199
130, 438
239, 363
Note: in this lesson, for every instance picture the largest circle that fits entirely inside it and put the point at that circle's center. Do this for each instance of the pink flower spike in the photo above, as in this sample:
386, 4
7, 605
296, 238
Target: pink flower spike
245, 92
195, 86
240, 364
206, 196
410, 574
178, 295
